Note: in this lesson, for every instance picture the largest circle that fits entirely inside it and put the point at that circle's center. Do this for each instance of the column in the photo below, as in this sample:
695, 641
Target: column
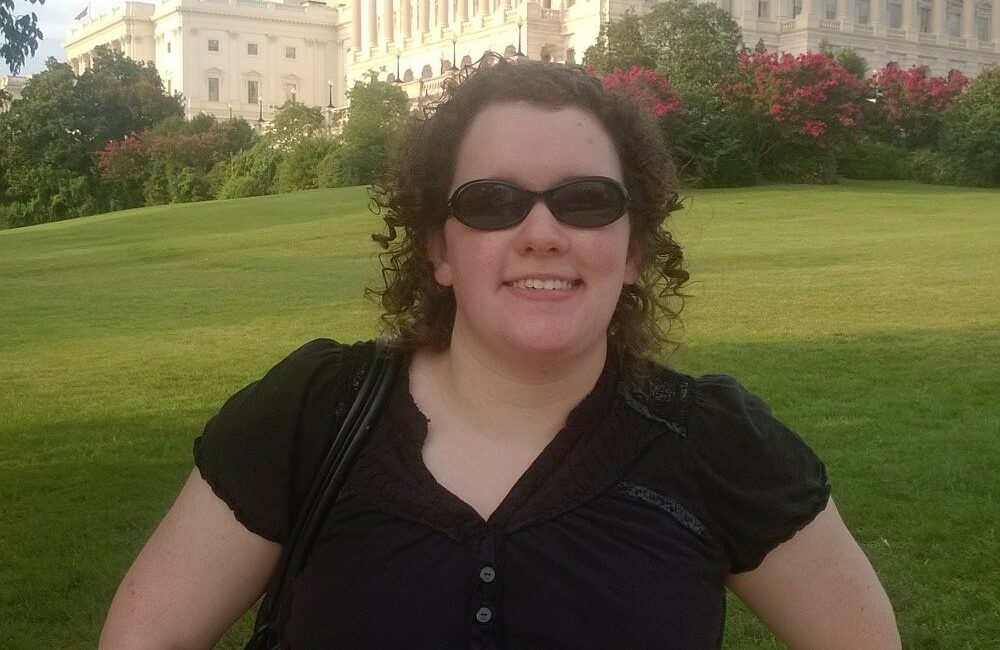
463, 11
405, 18
995, 23
356, 25
842, 11
809, 10
372, 22
875, 11
442, 13
908, 6
968, 19
423, 9
484, 7
388, 21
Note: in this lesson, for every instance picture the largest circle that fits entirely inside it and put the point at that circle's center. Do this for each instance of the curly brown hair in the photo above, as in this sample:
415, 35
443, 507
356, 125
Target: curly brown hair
413, 195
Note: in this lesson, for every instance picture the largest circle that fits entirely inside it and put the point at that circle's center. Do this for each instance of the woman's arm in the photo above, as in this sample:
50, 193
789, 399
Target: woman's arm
197, 574
818, 590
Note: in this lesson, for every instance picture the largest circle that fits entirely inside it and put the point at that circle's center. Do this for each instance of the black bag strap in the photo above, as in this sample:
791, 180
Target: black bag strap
329, 481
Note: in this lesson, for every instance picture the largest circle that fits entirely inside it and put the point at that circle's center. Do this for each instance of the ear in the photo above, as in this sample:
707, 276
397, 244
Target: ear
437, 252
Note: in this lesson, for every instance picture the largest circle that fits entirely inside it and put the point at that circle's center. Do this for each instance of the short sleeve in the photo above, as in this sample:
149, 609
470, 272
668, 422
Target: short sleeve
261, 451
761, 481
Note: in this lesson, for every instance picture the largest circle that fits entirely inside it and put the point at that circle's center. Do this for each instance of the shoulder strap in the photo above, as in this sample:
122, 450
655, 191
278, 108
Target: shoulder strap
329, 481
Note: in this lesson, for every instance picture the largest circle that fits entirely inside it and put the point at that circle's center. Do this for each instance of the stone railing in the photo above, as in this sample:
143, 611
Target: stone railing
927, 39
864, 30
552, 13
786, 26
895, 33
829, 25
957, 41
987, 46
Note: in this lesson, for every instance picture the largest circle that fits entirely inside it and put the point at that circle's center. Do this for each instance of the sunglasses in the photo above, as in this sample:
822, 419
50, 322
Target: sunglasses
584, 202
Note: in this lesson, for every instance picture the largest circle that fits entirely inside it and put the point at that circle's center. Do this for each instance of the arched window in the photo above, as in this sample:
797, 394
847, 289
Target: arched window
408, 75
862, 11
894, 11
830, 9
426, 72
954, 18
925, 9
984, 16
390, 78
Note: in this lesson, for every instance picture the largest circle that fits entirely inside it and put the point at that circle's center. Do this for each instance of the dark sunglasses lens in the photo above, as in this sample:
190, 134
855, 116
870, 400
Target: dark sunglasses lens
587, 203
489, 205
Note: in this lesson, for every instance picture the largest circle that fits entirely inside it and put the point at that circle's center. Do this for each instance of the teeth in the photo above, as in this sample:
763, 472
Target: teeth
533, 283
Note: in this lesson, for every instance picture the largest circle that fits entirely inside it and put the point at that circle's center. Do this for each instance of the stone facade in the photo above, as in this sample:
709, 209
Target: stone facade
245, 57
10, 90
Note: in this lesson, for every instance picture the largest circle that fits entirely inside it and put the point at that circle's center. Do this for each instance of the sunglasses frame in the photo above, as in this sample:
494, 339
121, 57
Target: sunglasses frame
544, 196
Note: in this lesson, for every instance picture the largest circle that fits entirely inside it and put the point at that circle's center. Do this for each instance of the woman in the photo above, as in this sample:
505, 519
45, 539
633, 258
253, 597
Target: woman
534, 481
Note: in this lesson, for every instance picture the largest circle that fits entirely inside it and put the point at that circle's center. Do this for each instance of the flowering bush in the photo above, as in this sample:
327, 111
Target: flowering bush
648, 87
794, 109
910, 102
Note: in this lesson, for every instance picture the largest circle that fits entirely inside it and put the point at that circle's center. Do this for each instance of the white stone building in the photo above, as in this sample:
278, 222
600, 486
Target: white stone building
245, 57
10, 89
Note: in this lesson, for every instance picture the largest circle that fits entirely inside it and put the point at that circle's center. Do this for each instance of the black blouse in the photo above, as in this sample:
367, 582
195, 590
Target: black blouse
620, 534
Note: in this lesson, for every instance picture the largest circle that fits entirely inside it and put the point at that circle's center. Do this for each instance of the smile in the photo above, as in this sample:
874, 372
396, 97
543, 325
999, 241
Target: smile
534, 283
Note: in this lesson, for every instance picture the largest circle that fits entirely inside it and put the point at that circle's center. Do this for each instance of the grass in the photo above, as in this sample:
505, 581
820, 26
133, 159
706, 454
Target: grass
866, 313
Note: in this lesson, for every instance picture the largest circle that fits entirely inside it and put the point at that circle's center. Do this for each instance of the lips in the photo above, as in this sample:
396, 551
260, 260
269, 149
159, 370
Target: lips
545, 284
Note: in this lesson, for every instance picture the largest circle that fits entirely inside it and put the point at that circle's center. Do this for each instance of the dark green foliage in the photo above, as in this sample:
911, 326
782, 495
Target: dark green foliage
970, 131
847, 57
695, 46
620, 45
868, 158
301, 167
52, 137
19, 35
250, 172
375, 113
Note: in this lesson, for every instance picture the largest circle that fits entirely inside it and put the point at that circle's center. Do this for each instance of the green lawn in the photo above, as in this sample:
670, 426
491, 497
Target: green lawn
866, 313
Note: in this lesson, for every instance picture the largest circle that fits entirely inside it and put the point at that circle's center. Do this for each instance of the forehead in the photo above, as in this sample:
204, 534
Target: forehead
535, 146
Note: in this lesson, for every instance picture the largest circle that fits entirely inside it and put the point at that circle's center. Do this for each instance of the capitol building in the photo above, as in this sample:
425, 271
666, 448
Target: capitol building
246, 57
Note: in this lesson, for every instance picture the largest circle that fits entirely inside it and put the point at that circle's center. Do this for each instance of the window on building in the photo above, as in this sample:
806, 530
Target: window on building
984, 14
862, 11
796, 8
213, 89
252, 49
168, 47
895, 14
924, 9
763, 9
253, 91
954, 18
213, 45
830, 9
291, 90
289, 52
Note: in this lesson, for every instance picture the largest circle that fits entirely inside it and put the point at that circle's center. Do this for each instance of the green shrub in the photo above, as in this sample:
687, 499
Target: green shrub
299, 168
970, 132
250, 172
868, 158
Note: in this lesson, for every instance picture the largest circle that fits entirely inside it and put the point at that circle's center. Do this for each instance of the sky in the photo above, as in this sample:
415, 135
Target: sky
55, 17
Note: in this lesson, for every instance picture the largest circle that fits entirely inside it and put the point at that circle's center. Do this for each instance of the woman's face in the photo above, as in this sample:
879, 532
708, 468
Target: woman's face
540, 286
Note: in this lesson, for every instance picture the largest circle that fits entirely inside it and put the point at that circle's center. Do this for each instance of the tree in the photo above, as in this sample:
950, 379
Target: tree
910, 103
124, 96
620, 45
292, 123
970, 131
52, 137
376, 110
20, 34
847, 57
796, 109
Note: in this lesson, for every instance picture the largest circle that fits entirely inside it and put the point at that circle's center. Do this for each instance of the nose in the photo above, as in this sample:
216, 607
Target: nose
541, 232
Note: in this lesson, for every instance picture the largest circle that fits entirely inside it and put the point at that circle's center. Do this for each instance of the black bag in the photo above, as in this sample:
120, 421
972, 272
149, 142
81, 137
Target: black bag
274, 610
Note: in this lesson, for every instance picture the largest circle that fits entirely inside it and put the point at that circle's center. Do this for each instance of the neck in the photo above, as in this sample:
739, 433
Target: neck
507, 397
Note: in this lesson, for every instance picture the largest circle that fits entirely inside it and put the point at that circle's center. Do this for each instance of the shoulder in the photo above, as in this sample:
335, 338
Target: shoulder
747, 476
261, 448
